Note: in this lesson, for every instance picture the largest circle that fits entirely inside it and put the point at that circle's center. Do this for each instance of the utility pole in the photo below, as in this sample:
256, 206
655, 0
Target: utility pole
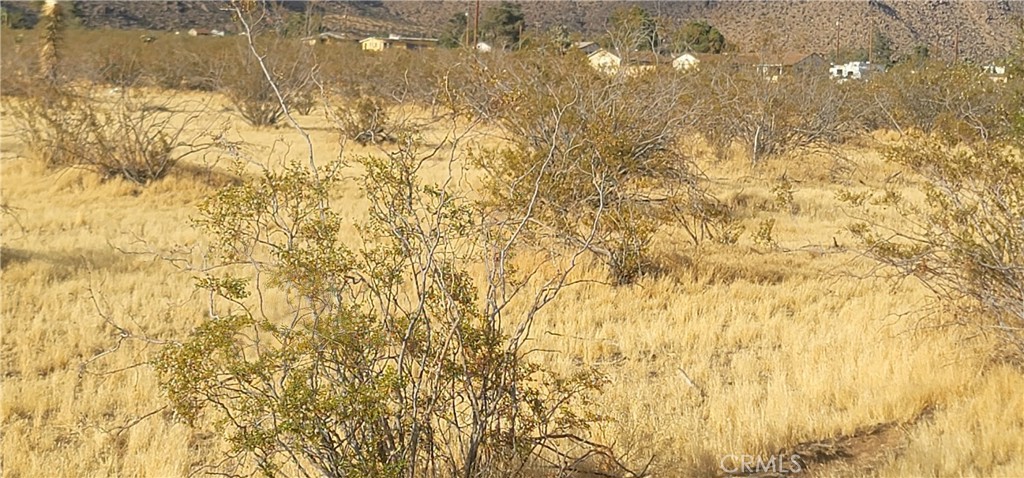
956, 45
465, 34
476, 25
837, 43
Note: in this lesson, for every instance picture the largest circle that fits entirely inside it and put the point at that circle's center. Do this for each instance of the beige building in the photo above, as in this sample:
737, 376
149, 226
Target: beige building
687, 61
604, 61
633, 64
397, 42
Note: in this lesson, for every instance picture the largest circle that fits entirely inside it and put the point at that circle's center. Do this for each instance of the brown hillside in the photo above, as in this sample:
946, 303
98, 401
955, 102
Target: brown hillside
987, 28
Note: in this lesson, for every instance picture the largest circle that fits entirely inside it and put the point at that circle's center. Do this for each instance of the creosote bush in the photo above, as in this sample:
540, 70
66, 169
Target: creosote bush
385, 362
773, 117
965, 242
956, 102
596, 156
366, 121
253, 96
123, 135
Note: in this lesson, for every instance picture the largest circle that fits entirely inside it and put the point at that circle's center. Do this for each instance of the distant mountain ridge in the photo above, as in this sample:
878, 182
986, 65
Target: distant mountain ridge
987, 29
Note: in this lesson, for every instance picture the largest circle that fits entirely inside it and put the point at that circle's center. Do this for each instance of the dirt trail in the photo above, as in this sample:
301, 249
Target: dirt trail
856, 455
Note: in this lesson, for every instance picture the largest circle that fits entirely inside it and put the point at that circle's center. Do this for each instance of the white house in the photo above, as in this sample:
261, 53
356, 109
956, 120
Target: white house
854, 70
687, 61
604, 61
996, 73
484, 47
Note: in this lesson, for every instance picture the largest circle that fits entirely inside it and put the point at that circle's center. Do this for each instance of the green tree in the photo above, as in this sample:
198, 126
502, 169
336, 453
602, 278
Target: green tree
700, 37
454, 34
631, 29
503, 25
560, 37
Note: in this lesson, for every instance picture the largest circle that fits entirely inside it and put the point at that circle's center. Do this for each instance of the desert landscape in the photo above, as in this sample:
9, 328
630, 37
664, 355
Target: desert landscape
598, 275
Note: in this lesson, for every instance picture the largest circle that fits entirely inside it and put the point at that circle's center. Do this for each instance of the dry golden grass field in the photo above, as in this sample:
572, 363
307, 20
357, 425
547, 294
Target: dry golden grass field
735, 350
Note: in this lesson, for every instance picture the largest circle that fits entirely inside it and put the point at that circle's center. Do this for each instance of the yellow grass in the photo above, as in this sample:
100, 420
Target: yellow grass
734, 350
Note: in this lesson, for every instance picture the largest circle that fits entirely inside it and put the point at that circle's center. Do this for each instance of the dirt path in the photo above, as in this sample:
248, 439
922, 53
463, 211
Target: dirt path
858, 455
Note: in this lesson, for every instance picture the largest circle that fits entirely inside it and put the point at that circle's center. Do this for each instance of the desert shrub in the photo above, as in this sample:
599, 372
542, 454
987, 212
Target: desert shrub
123, 136
366, 121
118, 65
410, 77
18, 63
253, 96
596, 156
958, 102
386, 362
773, 117
965, 242
389, 357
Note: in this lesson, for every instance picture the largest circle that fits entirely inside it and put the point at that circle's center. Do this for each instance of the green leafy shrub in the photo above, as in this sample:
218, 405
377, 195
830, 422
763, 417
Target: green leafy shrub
385, 362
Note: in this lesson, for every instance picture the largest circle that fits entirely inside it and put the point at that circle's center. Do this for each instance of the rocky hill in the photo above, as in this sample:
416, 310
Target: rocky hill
987, 29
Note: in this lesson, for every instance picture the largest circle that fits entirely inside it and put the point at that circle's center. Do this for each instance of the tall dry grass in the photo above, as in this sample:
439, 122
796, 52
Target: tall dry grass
740, 349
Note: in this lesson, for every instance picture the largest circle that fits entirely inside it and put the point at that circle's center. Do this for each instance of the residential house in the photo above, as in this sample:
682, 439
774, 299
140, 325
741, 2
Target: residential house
771, 66
996, 73
687, 61
638, 62
397, 42
854, 70
604, 61
632, 64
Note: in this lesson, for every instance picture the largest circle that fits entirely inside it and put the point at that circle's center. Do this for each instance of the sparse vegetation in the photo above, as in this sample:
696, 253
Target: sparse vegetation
515, 262
124, 135
774, 117
599, 156
964, 243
